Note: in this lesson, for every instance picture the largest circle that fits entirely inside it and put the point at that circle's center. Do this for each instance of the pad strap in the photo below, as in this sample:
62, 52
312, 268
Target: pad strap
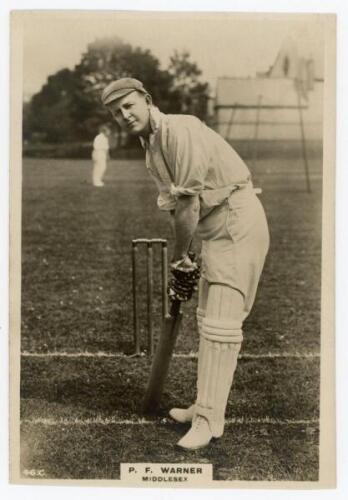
226, 331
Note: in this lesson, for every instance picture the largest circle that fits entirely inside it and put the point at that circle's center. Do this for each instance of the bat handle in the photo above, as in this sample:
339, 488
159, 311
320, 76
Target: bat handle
175, 308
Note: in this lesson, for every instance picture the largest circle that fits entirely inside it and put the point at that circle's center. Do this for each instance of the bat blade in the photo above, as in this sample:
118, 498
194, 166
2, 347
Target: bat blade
162, 357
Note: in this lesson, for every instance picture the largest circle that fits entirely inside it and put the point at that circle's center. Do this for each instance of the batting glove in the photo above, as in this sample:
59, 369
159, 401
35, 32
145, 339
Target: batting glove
186, 274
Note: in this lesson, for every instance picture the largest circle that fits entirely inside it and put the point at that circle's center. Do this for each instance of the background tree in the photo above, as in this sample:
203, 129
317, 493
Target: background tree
192, 93
49, 113
108, 59
68, 106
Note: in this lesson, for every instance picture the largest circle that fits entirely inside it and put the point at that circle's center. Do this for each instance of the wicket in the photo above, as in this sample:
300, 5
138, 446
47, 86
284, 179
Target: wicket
149, 243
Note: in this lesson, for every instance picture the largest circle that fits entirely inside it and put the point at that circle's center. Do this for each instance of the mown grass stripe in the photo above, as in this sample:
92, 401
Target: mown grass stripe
143, 421
189, 355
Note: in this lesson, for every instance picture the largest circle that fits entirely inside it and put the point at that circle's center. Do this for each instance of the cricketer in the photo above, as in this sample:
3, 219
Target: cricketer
100, 155
207, 189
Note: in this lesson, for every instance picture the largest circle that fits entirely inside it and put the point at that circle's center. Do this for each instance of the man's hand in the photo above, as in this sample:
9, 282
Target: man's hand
186, 274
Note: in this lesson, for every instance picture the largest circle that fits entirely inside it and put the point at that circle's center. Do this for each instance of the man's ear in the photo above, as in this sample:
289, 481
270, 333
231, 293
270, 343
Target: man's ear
148, 99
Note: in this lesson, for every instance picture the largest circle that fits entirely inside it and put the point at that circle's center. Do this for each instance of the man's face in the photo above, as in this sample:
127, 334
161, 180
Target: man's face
132, 113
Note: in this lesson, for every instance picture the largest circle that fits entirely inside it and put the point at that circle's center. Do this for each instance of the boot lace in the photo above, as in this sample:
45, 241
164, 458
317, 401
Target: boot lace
198, 422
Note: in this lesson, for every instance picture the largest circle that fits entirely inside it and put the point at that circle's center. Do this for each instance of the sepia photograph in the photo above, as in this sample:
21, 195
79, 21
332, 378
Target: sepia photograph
171, 239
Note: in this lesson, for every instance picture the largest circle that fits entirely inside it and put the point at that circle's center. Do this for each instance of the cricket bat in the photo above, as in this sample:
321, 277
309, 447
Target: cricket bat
162, 357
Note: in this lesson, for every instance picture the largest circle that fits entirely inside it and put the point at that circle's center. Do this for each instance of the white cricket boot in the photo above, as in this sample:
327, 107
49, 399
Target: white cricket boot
198, 436
182, 415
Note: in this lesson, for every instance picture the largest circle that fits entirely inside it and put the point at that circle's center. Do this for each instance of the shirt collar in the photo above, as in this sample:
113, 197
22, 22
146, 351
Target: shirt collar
155, 120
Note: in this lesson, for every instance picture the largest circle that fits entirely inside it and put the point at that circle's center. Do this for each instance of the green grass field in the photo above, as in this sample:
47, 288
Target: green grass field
81, 414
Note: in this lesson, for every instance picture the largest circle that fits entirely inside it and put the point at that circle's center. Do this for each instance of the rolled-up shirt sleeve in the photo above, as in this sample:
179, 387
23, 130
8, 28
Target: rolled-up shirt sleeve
165, 200
187, 156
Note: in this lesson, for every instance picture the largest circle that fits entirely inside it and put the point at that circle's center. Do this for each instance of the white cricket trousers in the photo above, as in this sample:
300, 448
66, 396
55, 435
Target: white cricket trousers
99, 167
235, 242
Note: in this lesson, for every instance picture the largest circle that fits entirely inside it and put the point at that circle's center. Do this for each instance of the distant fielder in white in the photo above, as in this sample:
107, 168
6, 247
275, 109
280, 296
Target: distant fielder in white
100, 155
207, 189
